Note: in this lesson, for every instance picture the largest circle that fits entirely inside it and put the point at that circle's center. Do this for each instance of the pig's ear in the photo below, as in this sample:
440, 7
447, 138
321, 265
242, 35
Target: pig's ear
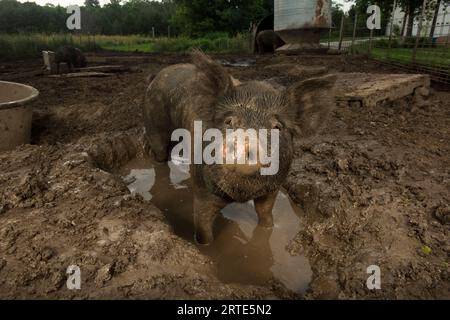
310, 102
219, 81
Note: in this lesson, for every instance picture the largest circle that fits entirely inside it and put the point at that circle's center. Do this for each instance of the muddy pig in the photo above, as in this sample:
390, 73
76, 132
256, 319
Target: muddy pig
204, 91
70, 55
268, 41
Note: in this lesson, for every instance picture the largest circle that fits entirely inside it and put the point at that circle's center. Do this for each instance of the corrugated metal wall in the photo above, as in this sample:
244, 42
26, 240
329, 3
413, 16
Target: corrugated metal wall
302, 14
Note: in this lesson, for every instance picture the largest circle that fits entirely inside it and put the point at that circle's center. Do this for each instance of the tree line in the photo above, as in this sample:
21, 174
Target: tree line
412, 9
187, 17
193, 18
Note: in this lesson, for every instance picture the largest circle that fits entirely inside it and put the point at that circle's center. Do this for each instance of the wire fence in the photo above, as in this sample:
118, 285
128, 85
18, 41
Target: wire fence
422, 45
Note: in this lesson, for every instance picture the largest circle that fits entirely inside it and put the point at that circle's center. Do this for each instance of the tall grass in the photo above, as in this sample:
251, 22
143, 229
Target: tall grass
17, 46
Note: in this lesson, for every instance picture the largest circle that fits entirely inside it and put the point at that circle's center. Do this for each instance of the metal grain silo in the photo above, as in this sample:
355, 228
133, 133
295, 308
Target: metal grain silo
300, 23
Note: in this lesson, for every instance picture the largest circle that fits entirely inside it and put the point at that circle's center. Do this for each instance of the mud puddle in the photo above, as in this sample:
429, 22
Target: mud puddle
243, 252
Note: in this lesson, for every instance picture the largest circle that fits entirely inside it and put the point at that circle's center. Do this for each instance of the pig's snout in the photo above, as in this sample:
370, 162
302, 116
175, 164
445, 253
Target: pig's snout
247, 169
244, 159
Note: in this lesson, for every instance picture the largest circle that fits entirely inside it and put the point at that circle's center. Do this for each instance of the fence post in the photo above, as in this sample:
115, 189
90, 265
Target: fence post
341, 32
391, 29
447, 39
427, 26
168, 31
419, 30
153, 32
329, 37
441, 32
370, 43
354, 32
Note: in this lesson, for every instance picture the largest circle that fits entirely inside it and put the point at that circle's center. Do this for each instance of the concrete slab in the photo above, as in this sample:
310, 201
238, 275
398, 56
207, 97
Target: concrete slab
385, 88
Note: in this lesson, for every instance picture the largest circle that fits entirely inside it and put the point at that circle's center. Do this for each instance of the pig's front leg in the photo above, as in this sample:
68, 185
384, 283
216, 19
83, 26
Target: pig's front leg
264, 206
206, 209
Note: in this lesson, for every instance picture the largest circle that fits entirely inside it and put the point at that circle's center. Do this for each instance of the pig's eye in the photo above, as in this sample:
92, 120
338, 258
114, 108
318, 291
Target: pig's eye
229, 122
277, 126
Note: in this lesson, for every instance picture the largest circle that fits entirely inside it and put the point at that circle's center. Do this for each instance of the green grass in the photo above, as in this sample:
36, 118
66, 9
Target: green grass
182, 45
427, 53
426, 56
136, 47
18, 46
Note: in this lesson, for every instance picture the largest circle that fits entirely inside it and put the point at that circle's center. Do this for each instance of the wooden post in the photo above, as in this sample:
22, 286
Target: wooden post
341, 32
153, 32
168, 31
354, 32
419, 30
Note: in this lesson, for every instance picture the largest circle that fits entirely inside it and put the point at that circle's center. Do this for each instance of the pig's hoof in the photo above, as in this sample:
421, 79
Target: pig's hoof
203, 241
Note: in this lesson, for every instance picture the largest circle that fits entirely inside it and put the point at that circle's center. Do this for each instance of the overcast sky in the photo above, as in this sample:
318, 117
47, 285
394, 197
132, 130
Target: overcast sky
65, 3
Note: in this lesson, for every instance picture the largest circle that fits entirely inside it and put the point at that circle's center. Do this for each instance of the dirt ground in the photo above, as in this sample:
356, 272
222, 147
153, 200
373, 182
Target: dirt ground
374, 188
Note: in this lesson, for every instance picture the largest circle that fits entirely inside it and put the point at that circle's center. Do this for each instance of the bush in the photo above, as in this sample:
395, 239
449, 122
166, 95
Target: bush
384, 43
215, 35
423, 41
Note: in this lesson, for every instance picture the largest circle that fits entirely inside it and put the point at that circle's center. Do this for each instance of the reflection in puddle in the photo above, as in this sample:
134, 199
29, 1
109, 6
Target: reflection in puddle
238, 62
243, 252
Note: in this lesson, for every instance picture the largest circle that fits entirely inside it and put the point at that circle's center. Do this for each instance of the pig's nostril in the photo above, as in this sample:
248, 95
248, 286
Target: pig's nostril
251, 156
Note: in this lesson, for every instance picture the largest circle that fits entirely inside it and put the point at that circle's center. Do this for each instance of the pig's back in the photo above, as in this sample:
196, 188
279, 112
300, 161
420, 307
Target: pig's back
174, 77
180, 94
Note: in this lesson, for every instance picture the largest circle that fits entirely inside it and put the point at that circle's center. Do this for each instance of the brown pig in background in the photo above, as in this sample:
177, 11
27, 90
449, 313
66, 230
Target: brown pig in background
70, 55
204, 91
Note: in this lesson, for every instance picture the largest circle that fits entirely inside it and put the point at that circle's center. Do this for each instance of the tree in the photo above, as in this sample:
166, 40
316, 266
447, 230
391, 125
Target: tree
435, 16
199, 17
411, 9
92, 3
437, 4
336, 14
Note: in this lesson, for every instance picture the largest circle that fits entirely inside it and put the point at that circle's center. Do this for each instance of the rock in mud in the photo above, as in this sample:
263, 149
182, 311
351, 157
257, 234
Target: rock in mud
104, 274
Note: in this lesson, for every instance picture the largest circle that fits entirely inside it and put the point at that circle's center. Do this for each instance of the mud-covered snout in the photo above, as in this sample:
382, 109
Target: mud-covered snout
248, 152
245, 157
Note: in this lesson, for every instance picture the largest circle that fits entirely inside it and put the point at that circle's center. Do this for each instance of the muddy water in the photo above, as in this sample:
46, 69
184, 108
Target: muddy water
243, 252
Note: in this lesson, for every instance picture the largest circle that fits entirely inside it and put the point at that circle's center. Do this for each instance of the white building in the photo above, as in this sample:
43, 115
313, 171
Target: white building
442, 24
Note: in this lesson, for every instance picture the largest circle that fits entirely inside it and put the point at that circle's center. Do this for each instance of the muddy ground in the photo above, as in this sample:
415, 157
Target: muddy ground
373, 189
